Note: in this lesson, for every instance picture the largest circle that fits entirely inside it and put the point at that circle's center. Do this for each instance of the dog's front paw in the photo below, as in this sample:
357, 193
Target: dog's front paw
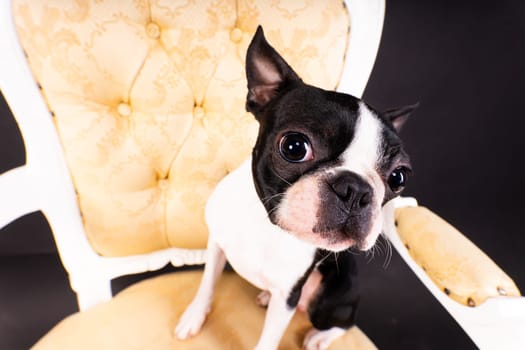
320, 340
191, 320
263, 298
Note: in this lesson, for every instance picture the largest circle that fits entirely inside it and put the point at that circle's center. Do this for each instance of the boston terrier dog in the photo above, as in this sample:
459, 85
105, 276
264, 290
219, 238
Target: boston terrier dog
323, 165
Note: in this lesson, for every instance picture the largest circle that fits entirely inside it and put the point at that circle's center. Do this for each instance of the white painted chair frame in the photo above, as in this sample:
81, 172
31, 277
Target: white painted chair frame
44, 182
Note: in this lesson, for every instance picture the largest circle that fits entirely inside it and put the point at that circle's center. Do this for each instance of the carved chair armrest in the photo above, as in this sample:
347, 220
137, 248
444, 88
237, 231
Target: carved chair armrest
480, 296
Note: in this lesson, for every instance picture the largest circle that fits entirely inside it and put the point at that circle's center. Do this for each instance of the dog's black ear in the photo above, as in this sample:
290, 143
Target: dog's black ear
266, 71
398, 116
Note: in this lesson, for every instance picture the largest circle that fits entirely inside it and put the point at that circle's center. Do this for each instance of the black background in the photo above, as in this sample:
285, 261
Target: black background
464, 61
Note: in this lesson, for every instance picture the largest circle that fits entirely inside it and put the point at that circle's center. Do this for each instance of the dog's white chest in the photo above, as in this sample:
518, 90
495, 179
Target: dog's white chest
262, 253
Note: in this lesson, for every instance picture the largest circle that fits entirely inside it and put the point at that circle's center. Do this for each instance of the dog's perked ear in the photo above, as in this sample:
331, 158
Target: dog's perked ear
398, 116
266, 71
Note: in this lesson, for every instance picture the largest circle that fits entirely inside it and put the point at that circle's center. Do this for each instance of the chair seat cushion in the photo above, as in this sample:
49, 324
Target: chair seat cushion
144, 315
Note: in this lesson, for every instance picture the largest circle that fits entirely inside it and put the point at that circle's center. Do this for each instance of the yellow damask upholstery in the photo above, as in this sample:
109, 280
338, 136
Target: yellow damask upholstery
148, 100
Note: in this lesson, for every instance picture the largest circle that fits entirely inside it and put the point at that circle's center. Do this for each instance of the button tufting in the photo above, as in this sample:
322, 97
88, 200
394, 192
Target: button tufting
153, 30
163, 184
124, 109
199, 112
236, 35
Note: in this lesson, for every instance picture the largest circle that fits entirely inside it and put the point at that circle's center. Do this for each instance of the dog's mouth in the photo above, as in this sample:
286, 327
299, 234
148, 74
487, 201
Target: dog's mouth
337, 241
338, 244
334, 239
330, 240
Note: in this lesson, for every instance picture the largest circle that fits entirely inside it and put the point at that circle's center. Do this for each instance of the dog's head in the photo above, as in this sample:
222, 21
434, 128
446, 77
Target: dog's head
324, 162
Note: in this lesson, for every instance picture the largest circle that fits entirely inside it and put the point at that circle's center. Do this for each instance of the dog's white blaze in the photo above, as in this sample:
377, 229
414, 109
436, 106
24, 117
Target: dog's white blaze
362, 157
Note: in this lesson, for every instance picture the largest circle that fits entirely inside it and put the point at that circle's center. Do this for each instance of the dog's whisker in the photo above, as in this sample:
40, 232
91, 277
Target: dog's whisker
384, 250
336, 262
265, 200
379, 247
323, 258
280, 177
369, 254
389, 252
272, 210
351, 251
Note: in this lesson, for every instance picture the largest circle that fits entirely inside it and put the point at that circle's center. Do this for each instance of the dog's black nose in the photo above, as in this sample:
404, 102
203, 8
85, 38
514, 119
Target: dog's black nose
351, 189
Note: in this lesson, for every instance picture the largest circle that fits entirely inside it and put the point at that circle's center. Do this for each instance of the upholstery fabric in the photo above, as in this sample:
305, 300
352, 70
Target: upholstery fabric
144, 316
455, 264
148, 101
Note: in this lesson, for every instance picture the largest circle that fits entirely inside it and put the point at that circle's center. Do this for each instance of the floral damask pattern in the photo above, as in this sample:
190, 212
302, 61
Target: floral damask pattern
148, 99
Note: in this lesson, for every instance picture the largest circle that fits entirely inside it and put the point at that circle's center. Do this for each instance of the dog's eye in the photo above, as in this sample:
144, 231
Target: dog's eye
295, 148
397, 179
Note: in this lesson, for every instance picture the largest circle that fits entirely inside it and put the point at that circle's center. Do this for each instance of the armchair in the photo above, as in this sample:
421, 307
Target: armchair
130, 113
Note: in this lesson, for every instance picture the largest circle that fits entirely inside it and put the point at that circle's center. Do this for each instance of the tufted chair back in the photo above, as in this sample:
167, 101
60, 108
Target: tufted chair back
132, 110
148, 101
